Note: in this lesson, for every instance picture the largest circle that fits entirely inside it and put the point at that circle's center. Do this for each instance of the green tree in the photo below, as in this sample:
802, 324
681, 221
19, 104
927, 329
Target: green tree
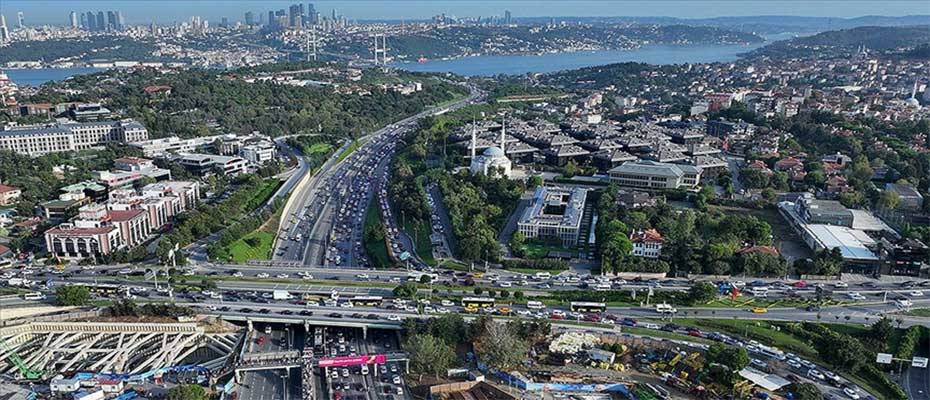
72, 295
842, 351
425, 279
888, 200
732, 357
881, 331
805, 391
187, 392
702, 292
499, 347
406, 290
428, 354
450, 328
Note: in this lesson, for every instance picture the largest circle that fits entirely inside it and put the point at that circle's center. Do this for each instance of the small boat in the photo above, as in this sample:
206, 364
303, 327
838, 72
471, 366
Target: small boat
422, 60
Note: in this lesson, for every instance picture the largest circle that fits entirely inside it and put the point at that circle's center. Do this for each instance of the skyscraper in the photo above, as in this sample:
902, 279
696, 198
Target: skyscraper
4, 32
334, 14
101, 21
293, 16
21, 20
73, 18
249, 18
111, 21
120, 22
507, 17
83, 20
312, 15
271, 19
91, 21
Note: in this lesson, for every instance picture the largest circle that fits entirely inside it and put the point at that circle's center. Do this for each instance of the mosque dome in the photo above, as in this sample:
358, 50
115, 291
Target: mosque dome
493, 151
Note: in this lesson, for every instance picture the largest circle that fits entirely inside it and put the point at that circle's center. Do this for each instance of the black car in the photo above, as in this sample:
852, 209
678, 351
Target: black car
357, 315
245, 310
371, 316
306, 313
670, 327
224, 308
264, 311
334, 315
286, 312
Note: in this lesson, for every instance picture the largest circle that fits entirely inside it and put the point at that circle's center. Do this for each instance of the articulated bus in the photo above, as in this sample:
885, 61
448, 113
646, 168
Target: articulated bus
369, 301
472, 304
588, 307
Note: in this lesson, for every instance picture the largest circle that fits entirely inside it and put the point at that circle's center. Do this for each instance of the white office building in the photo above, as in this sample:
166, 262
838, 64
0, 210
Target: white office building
554, 213
655, 175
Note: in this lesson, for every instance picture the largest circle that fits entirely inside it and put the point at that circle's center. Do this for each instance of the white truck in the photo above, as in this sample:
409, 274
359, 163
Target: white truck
665, 309
281, 295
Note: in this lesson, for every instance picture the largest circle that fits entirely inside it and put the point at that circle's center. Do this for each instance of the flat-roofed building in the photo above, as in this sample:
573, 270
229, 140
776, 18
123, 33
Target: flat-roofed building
36, 140
655, 175
555, 212
909, 199
207, 164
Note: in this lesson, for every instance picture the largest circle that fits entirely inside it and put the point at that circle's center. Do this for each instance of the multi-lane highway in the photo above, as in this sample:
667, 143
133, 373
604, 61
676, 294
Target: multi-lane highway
323, 222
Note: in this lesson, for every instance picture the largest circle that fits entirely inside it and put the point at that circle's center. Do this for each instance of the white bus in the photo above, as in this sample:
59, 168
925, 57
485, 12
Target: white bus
543, 275
369, 301
588, 307
535, 305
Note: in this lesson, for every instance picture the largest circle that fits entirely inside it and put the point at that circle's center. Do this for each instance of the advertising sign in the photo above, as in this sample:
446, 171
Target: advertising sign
352, 361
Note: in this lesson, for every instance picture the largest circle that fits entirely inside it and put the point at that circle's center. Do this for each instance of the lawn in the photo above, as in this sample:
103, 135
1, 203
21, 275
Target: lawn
254, 246
420, 233
320, 149
349, 150
536, 250
375, 249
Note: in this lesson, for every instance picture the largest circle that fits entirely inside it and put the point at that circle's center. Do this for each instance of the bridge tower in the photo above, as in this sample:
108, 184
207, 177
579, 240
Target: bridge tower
311, 45
380, 48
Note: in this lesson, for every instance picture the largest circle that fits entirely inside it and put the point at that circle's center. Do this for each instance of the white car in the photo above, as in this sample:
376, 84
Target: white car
262, 275
396, 379
505, 284
447, 303
851, 393
841, 284
307, 277
816, 374
237, 274
362, 276
393, 318
282, 276
916, 293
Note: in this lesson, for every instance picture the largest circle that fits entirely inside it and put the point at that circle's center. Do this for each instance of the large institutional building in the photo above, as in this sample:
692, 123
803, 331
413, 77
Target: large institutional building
36, 140
655, 175
554, 213
126, 220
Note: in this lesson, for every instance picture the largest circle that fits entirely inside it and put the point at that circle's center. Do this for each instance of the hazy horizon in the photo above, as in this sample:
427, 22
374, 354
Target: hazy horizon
168, 11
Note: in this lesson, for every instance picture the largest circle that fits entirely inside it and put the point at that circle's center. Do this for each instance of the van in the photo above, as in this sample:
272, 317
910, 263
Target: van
543, 275
34, 296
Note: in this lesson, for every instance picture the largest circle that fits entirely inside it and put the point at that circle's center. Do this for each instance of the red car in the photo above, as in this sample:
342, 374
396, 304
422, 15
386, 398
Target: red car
261, 340
696, 333
592, 318
557, 316
800, 284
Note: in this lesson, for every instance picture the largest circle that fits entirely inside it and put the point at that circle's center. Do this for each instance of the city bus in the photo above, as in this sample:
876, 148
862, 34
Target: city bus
34, 296
535, 305
588, 307
101, 289
477, 302
369, 301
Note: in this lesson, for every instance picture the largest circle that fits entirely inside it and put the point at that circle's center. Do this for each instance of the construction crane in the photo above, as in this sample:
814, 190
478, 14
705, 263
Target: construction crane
28, 373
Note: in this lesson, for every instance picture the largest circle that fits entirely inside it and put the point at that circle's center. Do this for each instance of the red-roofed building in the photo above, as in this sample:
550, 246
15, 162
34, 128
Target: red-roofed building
647, 243
133, 225
788, 163
70, 241
156, 89
9, 194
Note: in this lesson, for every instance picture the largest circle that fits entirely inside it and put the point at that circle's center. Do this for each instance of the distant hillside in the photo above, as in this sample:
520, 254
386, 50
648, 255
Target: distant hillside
762, 24
872, 37
457, 41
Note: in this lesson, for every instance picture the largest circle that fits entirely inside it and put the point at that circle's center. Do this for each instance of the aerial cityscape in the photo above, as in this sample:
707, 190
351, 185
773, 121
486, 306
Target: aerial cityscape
457, 200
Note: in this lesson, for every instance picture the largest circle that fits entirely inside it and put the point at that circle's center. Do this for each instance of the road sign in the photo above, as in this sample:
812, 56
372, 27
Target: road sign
919, 362
883, 358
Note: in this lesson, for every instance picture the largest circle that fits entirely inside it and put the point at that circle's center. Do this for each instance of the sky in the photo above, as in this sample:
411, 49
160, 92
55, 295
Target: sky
167, 11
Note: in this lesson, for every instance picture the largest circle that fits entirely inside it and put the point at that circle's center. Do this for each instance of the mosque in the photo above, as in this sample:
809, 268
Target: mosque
493, 158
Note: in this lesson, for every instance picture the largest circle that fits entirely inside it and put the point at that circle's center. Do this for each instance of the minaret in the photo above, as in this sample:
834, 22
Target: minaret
474, 138
914, 91
503, 130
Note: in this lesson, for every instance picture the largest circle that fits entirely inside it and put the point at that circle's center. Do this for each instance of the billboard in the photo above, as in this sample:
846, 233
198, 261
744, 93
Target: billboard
352, 361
